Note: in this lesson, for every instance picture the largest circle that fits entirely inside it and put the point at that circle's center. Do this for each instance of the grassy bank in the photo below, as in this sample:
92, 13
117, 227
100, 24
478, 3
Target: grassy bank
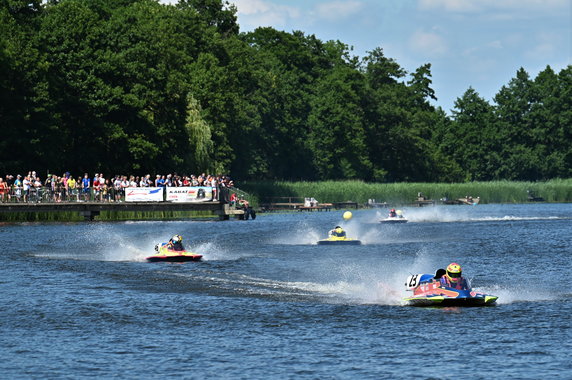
104, 216
557, 190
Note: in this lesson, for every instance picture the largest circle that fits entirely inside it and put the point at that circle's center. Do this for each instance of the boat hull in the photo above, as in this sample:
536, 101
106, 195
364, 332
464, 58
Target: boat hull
339, 242
448, 302
174, 258
167, 255
393, 220
428, 291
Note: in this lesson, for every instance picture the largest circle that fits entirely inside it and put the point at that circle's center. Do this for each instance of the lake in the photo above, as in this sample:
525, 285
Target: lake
79, 300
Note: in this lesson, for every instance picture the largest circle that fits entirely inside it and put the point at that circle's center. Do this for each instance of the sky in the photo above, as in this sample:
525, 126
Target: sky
469, 43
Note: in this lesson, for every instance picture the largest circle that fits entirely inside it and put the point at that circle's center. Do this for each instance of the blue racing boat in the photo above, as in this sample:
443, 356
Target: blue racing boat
428, 291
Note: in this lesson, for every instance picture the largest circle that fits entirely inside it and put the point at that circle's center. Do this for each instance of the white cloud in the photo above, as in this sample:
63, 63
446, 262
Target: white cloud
250, 7
429, 44
337, 10
475, 6
544, 46
495, 44
460, 6
541, 50
255, 13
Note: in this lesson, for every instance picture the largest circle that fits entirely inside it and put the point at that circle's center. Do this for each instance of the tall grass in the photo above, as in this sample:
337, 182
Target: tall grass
72, 216
558, 190
65, 216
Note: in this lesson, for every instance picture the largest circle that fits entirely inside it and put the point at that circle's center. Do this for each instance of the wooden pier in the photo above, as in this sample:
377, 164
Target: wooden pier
320, 207
89, 210
422, 201
346, 204
303, 204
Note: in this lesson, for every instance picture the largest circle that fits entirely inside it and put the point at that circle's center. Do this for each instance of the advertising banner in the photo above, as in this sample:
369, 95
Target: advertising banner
189, 194
144, 194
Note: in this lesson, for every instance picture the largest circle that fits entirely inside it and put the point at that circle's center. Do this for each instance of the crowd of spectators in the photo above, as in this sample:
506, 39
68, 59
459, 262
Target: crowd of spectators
67, 188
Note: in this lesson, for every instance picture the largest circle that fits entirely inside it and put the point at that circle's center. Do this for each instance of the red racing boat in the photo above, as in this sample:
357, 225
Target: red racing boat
164, 254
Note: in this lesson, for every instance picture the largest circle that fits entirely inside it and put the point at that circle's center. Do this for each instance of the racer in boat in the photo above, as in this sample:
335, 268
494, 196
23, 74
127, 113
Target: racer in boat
453, 277
337, 232
176, 243
392, 213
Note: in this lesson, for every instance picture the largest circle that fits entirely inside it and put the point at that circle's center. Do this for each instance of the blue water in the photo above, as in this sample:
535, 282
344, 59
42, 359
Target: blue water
79, 300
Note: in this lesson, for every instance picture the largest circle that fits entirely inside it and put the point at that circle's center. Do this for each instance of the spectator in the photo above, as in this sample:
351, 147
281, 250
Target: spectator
72, 189
104, 189
117, 188
96, 188
3, 189
37, 186
214, 187
9, 183
86, 184
101, 181
26, 183
64, 187
124, 185
51, 186
18, 188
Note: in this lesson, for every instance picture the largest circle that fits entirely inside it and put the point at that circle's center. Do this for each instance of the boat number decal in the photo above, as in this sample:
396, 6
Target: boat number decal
413, 281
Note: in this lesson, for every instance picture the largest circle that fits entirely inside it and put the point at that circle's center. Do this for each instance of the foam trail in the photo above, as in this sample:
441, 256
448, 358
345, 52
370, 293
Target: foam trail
121, 249
519, 294
112, 246
462, 214
212, 251
368, 234
304, 234
382, 285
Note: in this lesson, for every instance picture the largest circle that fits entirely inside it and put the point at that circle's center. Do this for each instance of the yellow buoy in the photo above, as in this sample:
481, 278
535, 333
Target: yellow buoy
347, 215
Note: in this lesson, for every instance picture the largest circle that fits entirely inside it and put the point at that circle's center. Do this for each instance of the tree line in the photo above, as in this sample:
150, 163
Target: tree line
127, 85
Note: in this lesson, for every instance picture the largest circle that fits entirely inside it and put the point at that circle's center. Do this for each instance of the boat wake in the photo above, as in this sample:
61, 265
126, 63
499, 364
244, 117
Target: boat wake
443, 215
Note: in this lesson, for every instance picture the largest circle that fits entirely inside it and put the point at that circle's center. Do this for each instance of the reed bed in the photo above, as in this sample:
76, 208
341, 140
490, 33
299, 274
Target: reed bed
64, 216
558, 190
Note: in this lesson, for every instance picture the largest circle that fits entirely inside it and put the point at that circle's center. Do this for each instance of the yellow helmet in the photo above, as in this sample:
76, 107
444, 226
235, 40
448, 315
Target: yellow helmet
339, 229
454, 272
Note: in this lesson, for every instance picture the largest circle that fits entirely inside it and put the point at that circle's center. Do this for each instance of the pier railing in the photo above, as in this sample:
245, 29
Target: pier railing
180, 201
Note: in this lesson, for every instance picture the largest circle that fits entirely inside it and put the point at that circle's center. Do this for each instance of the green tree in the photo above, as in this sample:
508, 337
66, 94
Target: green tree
549, 142
399, 135
564, 112
200, 142
472, 140
337, 135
